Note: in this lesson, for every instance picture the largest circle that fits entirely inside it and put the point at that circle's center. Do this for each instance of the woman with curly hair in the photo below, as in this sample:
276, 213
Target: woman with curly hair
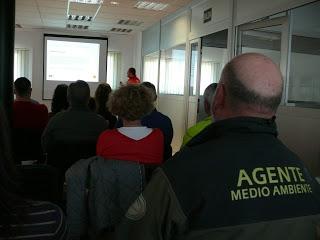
101, 97
132, 142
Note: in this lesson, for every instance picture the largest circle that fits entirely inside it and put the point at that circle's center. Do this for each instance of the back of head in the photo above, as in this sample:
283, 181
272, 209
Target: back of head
151, 88
79, 93
102, 95
22, 87
131, 102
59, 99
208, 95
250, 85
132, 71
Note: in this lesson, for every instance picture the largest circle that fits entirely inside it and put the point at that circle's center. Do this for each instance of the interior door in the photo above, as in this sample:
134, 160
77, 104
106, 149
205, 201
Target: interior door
194, 76
269, 37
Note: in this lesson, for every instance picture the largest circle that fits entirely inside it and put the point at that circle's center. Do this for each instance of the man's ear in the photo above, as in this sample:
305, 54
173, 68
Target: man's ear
219, 101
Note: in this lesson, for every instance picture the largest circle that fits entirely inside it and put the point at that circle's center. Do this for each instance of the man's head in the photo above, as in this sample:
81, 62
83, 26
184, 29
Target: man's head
22, 88
208, 96
151, 88
250, 85
131, 72
78, 93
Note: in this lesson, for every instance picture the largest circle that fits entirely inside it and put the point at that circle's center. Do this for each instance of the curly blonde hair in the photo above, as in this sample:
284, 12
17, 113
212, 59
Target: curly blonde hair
131, 102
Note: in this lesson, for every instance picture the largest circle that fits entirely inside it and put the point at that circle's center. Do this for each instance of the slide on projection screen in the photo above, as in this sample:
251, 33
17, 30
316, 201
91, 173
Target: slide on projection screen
71, 58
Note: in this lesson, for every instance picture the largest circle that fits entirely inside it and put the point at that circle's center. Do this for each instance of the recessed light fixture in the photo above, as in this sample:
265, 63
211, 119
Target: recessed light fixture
151, 5
87, 1
114, 3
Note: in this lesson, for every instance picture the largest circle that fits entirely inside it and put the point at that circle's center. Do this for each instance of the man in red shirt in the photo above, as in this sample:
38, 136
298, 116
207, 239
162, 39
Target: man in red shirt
132, 78
27, 113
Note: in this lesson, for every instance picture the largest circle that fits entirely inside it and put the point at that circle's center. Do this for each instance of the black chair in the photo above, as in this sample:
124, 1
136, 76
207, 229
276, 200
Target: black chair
27, 144
63, 154
40, 182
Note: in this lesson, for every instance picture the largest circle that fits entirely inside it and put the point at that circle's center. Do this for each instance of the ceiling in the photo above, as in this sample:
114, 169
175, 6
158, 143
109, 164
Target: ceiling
52, 14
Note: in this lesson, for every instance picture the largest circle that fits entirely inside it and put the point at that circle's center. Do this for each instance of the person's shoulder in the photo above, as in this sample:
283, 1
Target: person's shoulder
42, 107
109, 134
157, 132
161, 116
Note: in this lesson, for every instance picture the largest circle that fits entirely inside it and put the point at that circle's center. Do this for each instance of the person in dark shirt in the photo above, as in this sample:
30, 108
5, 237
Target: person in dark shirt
235, 179
59, 100
20, 218
76, 124
102, 96
157, 120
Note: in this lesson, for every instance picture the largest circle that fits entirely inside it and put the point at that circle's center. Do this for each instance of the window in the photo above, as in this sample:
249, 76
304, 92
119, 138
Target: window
214, 57
193, 69
172, 70
113, 68
22, 63
265, 40
150, 68
304, 81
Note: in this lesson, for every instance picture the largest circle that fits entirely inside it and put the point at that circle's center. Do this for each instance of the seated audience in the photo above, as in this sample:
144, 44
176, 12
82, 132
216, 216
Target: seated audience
208, 100
21, 218
92, 104
29, 120
157, 120
101, 96
133, 141
27, 113
237, 180
59, 100
76, 124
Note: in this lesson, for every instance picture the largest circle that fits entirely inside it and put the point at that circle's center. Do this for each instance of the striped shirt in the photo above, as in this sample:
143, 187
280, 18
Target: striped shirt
41, 221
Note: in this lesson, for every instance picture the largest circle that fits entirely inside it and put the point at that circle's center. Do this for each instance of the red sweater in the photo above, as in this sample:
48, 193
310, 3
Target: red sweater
29, 115
133, 80
114, 145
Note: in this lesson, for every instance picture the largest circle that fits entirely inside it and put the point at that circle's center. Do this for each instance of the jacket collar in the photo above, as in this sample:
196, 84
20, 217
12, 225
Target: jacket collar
79, 108
236, 125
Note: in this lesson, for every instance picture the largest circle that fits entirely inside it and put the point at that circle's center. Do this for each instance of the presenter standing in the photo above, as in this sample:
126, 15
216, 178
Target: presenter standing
132, 78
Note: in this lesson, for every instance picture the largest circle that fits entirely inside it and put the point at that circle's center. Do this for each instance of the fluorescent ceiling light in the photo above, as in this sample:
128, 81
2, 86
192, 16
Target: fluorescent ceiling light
151, 5
87, 1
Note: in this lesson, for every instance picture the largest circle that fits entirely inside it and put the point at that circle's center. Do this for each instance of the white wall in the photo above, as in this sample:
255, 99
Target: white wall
33, 40
137, 45
221, 17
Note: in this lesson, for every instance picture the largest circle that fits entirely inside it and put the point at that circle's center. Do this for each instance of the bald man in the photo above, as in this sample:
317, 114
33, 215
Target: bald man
235, 180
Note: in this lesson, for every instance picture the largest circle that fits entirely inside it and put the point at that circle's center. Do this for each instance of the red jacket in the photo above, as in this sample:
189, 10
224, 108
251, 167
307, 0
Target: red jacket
114, 145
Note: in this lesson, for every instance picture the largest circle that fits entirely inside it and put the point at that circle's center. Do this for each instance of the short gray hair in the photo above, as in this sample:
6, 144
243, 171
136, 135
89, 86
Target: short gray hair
79, 93
210, 92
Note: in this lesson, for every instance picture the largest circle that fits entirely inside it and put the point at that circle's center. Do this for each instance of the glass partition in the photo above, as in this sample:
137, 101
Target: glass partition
151, 68
193, 68
266, 41
172, 70
304, 77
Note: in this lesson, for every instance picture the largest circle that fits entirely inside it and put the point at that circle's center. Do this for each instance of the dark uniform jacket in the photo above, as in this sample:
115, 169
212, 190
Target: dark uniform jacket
236, 180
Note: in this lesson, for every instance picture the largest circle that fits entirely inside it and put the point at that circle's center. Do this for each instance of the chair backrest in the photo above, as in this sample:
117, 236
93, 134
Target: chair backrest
27, 144
99, 192
64, 154
40, 182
